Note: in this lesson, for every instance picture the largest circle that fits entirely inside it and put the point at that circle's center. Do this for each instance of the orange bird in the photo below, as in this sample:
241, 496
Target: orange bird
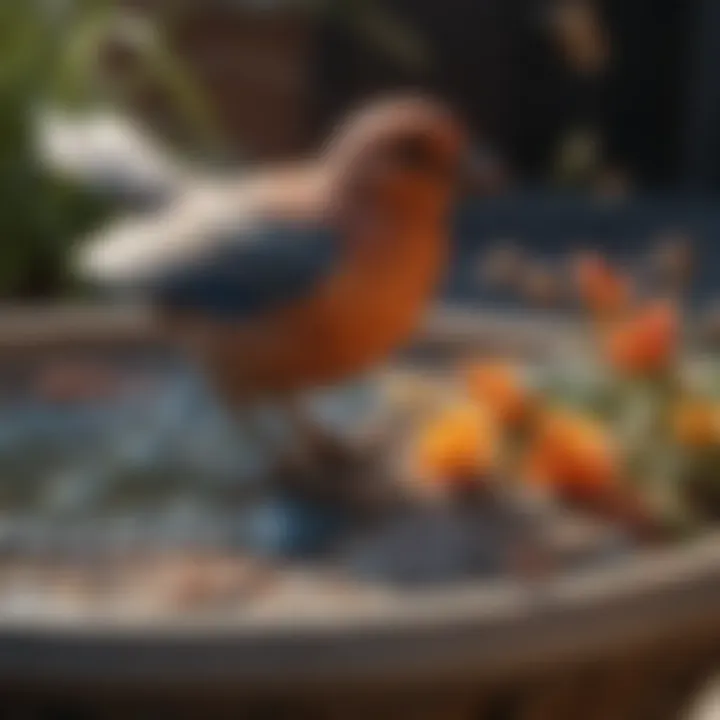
305, 275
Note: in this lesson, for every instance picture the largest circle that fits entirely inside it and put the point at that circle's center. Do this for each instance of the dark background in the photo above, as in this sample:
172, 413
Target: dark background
591, 98
497, 61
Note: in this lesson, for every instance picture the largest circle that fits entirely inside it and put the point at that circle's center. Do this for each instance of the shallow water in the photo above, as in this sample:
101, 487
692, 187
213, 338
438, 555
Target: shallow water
156, 460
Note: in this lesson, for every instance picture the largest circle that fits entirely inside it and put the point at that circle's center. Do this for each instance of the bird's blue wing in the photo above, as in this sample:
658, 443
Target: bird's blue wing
252, 271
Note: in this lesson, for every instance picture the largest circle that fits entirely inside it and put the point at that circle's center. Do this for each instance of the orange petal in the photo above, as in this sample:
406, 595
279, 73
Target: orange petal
571, 451
499, 386
647, 342
601, 288
696, 424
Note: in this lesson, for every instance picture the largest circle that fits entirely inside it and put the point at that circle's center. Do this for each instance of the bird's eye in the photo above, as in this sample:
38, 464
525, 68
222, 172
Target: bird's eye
417, 154
412, 152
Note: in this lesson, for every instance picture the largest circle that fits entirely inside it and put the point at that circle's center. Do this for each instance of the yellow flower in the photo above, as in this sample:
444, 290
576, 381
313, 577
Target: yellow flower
696, 423
459, 445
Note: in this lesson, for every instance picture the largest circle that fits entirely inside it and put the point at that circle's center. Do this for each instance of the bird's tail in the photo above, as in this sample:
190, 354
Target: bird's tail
110, 154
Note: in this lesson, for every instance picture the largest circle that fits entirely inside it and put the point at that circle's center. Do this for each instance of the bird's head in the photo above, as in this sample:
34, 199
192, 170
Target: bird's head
397, 160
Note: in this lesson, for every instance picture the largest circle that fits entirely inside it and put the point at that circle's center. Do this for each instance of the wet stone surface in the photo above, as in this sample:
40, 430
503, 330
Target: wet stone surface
142, 468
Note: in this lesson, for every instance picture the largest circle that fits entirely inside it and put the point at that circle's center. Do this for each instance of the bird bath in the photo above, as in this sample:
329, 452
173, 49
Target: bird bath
137, 564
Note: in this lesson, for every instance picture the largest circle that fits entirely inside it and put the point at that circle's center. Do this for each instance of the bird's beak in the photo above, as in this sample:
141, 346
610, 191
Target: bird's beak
482, 173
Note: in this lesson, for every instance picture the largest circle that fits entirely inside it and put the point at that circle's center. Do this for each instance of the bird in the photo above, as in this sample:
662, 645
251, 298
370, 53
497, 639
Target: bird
304, 275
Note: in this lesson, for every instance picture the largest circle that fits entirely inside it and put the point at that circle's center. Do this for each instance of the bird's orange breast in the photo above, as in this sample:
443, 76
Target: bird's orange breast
357, 317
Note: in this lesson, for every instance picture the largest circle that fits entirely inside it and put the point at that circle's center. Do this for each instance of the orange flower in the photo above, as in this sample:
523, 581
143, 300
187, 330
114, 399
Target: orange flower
499, 386
573, 454
602, 289
461, 444
646, 342
696, 424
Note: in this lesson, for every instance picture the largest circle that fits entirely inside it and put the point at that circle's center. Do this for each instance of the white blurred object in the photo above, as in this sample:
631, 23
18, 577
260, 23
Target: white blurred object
707, 707
111, 154
140, 244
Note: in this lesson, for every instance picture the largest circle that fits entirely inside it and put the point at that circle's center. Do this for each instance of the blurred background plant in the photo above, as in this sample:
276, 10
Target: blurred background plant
380, 29
52, 55
578, 98
79, 55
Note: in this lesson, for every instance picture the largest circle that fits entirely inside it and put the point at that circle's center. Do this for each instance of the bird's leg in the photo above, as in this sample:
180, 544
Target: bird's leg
327, 452
311, 466
244, 408
333, 468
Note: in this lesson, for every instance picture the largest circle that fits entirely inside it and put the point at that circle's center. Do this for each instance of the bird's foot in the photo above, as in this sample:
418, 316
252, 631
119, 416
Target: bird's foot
320, 455
340, 470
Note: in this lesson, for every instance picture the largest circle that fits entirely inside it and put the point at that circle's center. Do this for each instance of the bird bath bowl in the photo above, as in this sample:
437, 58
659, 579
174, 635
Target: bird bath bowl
629, 639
